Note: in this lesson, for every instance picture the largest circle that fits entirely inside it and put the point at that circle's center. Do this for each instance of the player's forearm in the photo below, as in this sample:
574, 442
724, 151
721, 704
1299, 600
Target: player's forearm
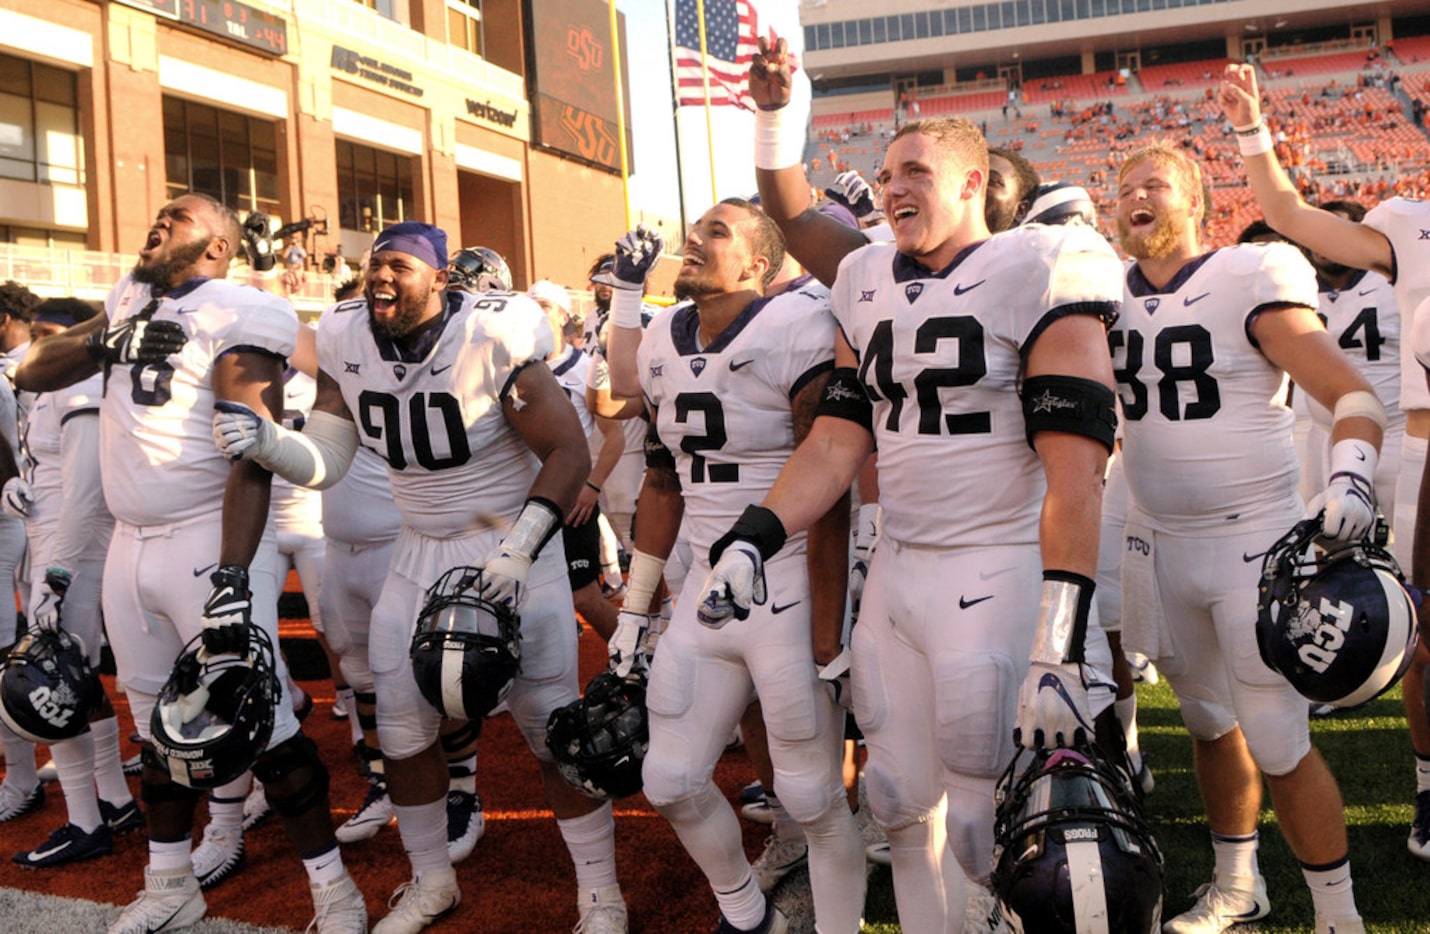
622, 345
819, 473
661, 506
1072, 510
564, 469
827, 557
245, 512
1278, 198
784, 192
613, 446
58, 361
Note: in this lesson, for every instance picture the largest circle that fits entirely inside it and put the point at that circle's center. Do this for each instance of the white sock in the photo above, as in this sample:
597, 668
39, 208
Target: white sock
591, 841
169, 855
108, 763
226, 804
345, 695
424, 835
74, 760
1331, 891
744, 908
20, 770
1126, 710
1235, 856
326, 867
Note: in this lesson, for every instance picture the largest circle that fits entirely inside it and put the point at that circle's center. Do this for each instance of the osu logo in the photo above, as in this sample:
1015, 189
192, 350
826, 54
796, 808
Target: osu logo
581, 45
591, 135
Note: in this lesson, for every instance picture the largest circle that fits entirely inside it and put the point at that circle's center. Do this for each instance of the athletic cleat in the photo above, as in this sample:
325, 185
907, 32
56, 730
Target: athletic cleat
122, 818
374, 814
133, 766
255, 807
218, 856
15, 803
49, 772
170, 900
774, 922
878, 854
780, 858
465, 824
1347, 926
752, 792
1217, 908
603, 911
758, 812
1419, 841
339, 710
339, 908
417, 906
69, 844
1142, 668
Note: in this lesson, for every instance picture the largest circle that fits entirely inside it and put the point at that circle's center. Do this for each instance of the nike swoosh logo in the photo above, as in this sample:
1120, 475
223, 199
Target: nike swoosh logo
1256, 912
1250, 558
1191, 300
189, 311
1366, 292
1051, 682
960, 289
1360, 455
777, 609
439, 372
964, 603
200, 572
45, 854
989, 575
740, 365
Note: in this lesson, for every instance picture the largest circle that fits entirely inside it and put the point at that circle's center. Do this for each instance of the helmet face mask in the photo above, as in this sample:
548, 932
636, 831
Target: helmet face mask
466, 650
214, 715
1339, 626
599, 741
47, 687
1072, 852
477, 269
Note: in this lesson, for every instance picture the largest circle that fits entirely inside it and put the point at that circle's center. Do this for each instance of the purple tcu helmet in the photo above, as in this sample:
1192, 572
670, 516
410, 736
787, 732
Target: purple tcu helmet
1072, 852
214, 715
478, 269
467, 649
47, 688
1339, 626
599, 741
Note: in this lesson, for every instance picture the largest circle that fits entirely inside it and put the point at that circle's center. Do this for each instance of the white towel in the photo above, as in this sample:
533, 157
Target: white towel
1143, 622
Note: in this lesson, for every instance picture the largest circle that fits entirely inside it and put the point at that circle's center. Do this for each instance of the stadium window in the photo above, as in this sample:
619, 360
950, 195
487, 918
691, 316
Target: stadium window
906, 26
880, 30
1024, 12
1159, 4
1036, 14
227, 155
39, 123
837, 35
991, 10
980, 18
374, 187
820, 35
1099, 7
866, 33
936, 23
387, 8
892, 24
1067, 9
965, 19
921, 25
1144, 6
464, 25
1084, 10
1010, 19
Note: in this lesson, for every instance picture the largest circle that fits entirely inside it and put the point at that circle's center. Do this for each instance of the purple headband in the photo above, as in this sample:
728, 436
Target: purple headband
423, 241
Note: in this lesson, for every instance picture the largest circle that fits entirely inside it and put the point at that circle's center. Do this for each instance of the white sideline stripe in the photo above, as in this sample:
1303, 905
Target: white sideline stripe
32, 913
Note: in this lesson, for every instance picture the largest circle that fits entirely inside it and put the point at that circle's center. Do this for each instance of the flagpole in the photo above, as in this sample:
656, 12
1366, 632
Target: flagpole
675, 114
705, 77
621, 116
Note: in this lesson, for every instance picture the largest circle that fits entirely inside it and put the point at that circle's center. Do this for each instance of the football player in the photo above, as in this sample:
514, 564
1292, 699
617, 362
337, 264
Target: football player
459, 399
936, 332
193, 549
731, 381
1385, 242
1200, 351
69, 526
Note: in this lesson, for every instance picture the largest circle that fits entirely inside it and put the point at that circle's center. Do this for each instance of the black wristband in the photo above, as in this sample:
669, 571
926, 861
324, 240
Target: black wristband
758, 526
231, 575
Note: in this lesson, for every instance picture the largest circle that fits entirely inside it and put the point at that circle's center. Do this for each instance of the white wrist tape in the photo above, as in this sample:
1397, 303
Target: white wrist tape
777, 146
537, 522
1354, 456
1063, 615
1361, 404
316, 457
626, 308
644, 578
1256, 144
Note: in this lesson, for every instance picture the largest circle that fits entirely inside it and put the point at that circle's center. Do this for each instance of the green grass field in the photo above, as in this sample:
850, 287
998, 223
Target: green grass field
1369, 752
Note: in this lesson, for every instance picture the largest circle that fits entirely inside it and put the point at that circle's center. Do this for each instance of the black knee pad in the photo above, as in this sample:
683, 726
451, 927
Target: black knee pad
367, 720
463, 736
297, 754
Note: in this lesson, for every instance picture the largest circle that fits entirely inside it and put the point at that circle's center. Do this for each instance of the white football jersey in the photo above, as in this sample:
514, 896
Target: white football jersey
296, 508
1206, 442
724, 410
1419, 341
570, 370
941, 355
633, 430
41, 441
455, 463
1405, 222
156, 420
1364, 319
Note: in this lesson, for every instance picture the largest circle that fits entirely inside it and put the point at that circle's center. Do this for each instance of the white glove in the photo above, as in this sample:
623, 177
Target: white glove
45, 613
504, 577
835, 678
854, 192
239, 432
1053, 708
636, 255
866, 536
16, 498
1347, 507
736, 582
627, 646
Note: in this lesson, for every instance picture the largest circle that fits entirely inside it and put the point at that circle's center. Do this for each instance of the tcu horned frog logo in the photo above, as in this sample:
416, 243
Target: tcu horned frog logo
1323, 629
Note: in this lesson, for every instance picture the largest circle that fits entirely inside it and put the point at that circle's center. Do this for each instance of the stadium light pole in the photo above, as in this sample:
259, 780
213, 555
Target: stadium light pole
621, 116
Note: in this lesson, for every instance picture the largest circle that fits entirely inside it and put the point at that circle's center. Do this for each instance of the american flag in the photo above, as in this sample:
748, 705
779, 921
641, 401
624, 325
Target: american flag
732, 28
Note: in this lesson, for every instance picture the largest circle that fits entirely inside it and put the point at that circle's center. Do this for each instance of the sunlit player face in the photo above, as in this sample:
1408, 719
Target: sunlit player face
180, 236
717, 256
922, 191
1154, 210
1000, 208
399, 289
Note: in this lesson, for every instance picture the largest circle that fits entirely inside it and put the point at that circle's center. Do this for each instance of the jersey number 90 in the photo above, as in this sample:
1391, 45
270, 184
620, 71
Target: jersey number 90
405, 432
